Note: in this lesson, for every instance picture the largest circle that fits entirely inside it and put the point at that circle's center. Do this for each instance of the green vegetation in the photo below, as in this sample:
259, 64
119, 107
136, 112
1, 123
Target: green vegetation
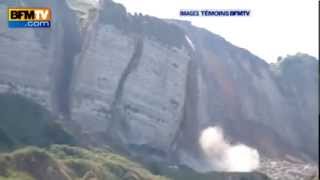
23, 122
65, 162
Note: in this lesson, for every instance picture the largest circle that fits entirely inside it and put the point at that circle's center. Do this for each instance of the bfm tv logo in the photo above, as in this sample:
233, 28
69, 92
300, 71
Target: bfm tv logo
29, 17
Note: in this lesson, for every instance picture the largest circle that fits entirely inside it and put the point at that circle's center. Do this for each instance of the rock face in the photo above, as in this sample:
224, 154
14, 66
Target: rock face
38, 63
286, 170
157, 83
128, 84
264, 106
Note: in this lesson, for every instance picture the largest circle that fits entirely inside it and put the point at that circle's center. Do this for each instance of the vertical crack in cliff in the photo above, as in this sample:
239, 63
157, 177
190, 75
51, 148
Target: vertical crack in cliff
190, 112
132, 65
63, 84
117, 116
187, 137
71, 46
75, 41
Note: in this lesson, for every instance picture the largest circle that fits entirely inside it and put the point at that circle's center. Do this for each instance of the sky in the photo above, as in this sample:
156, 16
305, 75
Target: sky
274, 28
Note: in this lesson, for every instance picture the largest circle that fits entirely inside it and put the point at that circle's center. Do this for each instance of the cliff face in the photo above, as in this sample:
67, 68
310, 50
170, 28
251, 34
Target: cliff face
265, 106
147, 82
128, 84
38, 63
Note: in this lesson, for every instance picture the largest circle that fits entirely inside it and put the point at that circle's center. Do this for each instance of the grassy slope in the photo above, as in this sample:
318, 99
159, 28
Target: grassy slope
70, 163
63, 162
